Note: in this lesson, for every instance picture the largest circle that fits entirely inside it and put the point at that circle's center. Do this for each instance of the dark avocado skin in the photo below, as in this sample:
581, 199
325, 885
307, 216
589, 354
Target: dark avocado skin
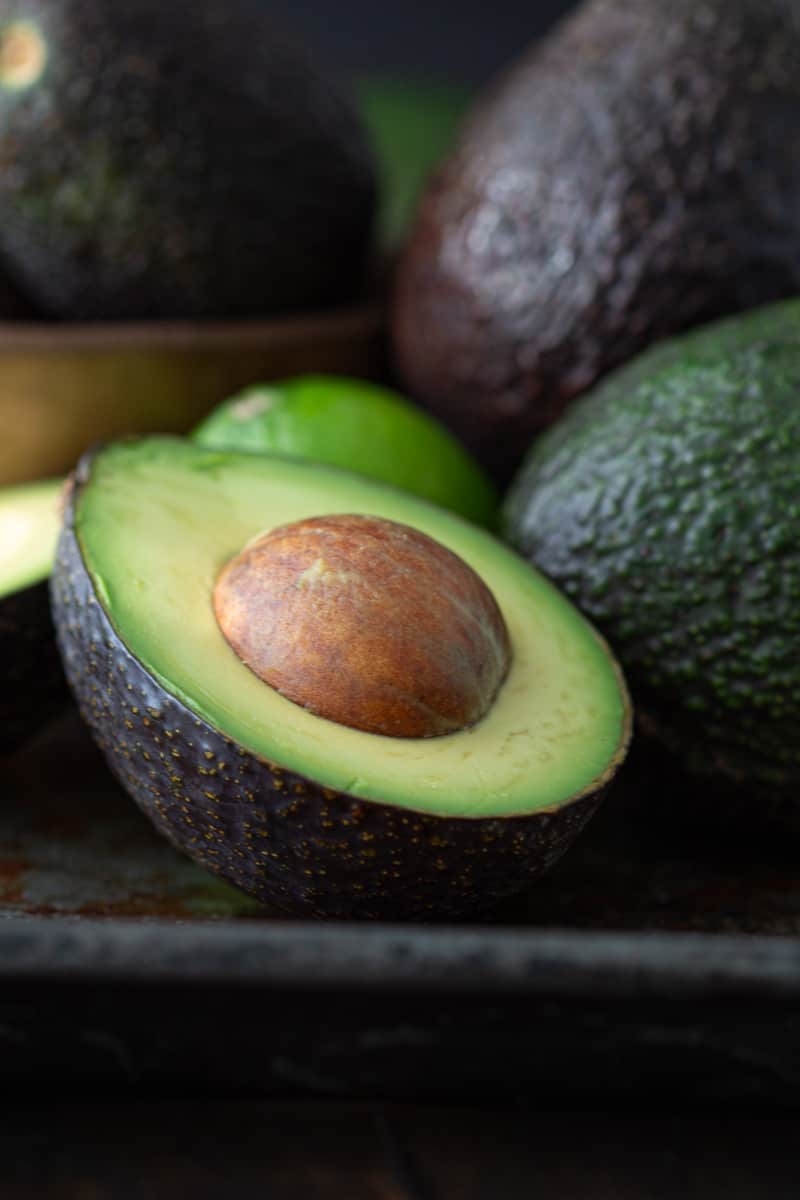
293, 845
179, 160
636, 173
33, 684
666, 506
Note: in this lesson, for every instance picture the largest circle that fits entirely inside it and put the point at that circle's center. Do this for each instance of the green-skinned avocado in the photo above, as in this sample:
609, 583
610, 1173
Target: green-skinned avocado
666, 505
308, 814
706, 345
360, 426
33, 686
176, 160
635, 174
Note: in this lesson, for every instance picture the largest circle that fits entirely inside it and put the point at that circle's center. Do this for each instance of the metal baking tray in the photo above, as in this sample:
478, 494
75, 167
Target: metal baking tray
659, 961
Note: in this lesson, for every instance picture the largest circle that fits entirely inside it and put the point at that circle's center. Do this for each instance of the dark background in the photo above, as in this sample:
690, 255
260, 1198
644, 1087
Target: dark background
463, 41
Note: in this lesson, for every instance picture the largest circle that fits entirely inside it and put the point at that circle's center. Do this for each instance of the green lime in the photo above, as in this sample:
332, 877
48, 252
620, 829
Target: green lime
359, 426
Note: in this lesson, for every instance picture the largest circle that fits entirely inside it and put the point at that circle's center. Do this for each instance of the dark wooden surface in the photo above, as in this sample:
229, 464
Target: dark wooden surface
297, 1151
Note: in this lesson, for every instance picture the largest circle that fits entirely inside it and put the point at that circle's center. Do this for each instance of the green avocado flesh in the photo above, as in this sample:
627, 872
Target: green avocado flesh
157, 520
29, 522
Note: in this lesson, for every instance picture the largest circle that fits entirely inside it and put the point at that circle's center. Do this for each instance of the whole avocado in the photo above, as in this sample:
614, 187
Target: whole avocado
666, 505
636, 173
175, 160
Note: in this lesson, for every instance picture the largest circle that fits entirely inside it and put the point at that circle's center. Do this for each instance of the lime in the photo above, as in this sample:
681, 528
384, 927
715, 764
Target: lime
359, 426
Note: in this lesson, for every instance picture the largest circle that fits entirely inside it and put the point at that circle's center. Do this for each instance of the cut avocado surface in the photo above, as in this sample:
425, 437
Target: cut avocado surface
360, 426
32, 683
308, 815
158, 520
29, 523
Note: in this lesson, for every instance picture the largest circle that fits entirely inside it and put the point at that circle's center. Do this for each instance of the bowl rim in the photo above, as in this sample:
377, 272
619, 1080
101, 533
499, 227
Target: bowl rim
364, 319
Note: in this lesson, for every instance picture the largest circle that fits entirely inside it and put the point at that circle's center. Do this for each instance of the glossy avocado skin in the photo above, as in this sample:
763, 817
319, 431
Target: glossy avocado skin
179, 160
293, 845
33, 684
665, 506
635, 174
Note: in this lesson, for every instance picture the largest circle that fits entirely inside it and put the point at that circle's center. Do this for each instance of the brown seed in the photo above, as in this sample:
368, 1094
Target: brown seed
368, 623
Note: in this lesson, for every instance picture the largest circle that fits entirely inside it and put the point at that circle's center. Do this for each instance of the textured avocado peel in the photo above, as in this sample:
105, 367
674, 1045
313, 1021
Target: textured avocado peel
635, 174
665, 504
280, 835
129, 134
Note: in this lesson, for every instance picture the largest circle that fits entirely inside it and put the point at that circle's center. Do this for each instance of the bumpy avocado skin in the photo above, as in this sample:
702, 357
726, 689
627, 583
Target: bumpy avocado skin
667, 508
297, 847
707, 344
33, 684
638, 172
179, 160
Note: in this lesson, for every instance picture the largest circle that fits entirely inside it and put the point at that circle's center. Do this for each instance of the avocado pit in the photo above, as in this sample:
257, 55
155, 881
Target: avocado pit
366, 622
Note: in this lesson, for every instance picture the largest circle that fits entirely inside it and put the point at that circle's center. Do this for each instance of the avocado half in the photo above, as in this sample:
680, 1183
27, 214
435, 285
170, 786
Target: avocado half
307, 815
33, 685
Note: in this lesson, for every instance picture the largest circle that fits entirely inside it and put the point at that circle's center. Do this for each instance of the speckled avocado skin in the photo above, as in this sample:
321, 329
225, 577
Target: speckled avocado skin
33, 686
179, 160
668, 509
638, 172
293, 845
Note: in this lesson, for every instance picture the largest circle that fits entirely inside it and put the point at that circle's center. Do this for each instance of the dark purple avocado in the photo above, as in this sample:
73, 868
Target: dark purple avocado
295, 846
635, 174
